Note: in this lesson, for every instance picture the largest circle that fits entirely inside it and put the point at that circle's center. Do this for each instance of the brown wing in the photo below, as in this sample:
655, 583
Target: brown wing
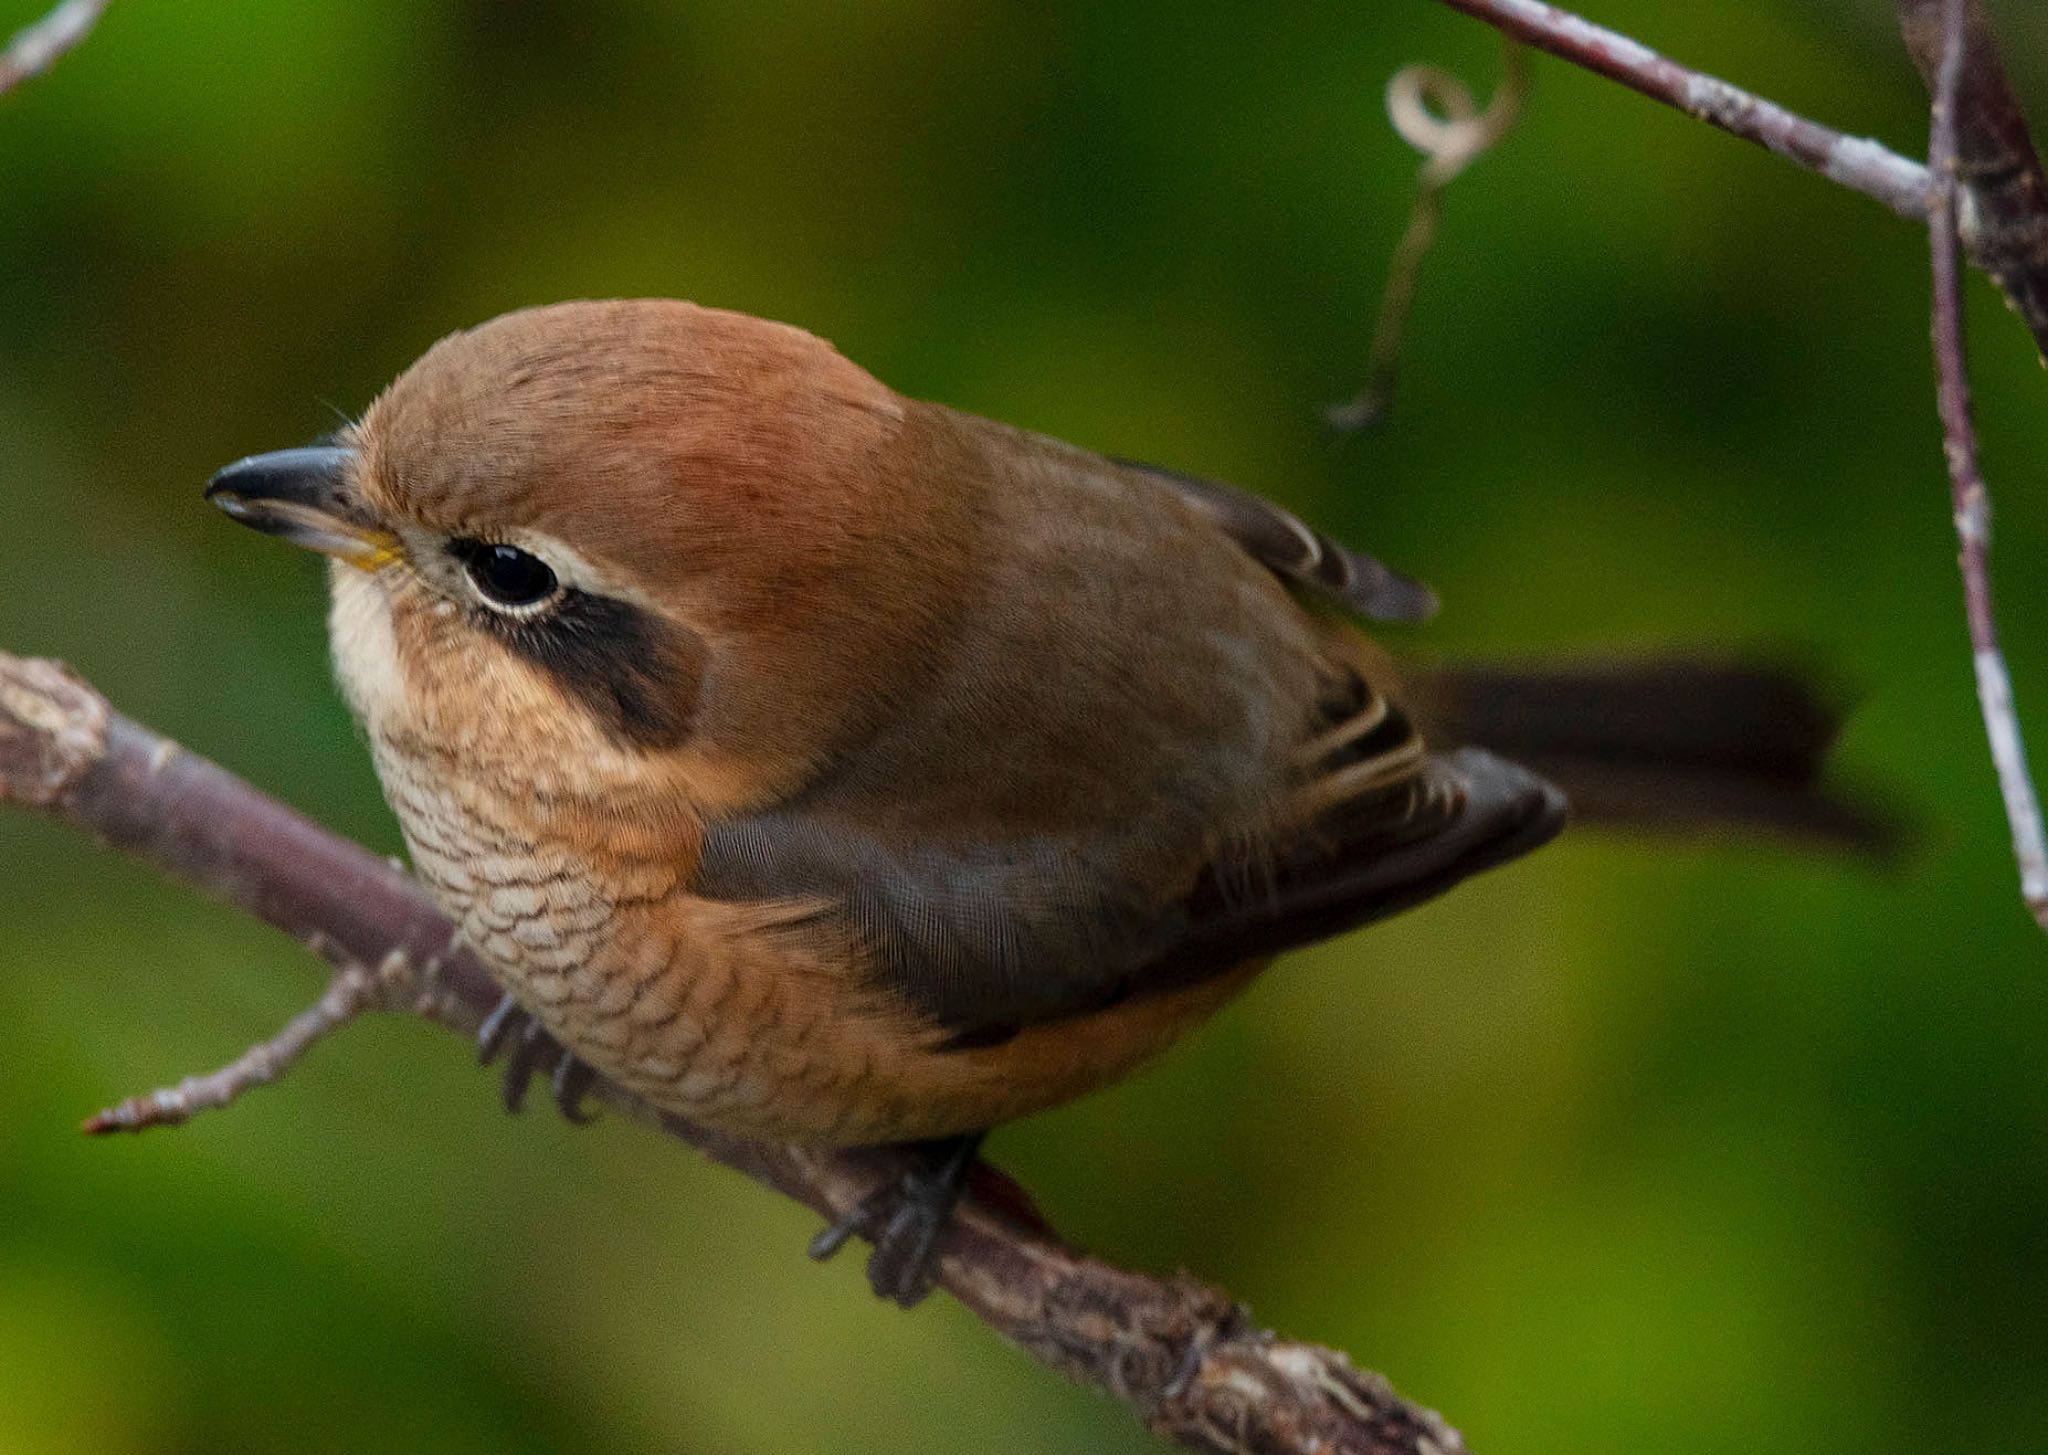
1380, 825
984, 938
1298, 554
1457, 815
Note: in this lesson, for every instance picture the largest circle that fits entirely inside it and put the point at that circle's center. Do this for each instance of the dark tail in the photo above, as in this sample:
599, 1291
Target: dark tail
1688, 745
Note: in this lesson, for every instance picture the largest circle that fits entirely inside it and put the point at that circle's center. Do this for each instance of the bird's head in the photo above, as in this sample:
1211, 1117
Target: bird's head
604, 533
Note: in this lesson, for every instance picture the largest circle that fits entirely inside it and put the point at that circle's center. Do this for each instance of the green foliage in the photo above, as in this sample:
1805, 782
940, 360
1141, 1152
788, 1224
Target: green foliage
1621, 1149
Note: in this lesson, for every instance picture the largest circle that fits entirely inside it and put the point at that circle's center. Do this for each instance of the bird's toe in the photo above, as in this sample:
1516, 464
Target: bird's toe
530, 1051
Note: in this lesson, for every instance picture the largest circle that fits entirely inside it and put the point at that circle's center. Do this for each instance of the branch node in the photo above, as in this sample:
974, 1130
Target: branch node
1955, 48
53, 729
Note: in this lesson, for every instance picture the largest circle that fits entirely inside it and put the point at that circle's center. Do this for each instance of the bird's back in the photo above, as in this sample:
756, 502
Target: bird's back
1115, 706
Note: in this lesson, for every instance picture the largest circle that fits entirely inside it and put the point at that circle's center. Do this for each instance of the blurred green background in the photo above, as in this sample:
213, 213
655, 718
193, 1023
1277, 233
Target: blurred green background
1630, 1147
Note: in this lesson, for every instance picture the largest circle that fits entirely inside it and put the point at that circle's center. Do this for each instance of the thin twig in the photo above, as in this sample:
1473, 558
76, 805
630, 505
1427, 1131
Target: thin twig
1855, 162
36, 47
1995, 161
1184, 1356
1983, 192
2002, 218
1967, 492
1434, 113
353, 990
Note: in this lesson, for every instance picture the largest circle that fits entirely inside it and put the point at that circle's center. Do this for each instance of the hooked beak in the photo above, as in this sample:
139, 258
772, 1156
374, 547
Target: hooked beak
303, 496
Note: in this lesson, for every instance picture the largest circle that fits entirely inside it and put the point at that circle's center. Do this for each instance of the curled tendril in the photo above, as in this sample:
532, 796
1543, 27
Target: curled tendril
1434, 112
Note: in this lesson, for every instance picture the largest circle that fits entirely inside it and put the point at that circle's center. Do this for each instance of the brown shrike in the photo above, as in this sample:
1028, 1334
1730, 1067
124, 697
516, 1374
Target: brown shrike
823, 765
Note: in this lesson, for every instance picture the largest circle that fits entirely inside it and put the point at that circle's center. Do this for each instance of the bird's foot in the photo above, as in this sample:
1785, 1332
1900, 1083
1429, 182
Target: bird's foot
529, 1051
904, 1218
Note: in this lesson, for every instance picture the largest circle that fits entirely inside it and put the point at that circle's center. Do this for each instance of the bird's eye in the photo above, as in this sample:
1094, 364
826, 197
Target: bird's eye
506, 576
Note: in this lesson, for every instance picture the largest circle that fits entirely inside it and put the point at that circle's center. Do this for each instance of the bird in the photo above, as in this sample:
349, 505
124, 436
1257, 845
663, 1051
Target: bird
826, 766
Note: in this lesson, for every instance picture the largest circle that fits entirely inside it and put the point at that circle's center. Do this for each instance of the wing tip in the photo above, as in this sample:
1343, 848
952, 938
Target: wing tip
1394, 597
1533, 810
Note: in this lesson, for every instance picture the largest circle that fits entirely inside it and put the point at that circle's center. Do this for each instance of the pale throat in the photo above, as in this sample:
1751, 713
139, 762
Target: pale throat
364, 649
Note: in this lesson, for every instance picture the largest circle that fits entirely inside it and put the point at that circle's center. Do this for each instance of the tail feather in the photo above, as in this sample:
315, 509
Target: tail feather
1684, 744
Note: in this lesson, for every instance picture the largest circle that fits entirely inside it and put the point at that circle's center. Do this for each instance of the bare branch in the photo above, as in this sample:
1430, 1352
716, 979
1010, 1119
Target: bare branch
1855, 162
353, 990
35, 48
2003, 221
1967, 60
1983, 190
1995, 161
1184, 1356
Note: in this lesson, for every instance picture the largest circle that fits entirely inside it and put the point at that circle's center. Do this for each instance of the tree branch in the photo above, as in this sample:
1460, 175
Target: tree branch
1855, 162
353, 990
2004, 223
1185, 1356
1983, 192
1975, 124
1991, 155
35, 48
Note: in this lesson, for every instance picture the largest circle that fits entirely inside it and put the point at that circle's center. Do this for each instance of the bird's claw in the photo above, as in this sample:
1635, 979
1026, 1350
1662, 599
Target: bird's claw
509, 1028
903, 1219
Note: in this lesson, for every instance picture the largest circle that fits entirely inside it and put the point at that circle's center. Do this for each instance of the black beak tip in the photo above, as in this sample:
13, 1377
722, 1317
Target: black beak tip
307, 476
225, 499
